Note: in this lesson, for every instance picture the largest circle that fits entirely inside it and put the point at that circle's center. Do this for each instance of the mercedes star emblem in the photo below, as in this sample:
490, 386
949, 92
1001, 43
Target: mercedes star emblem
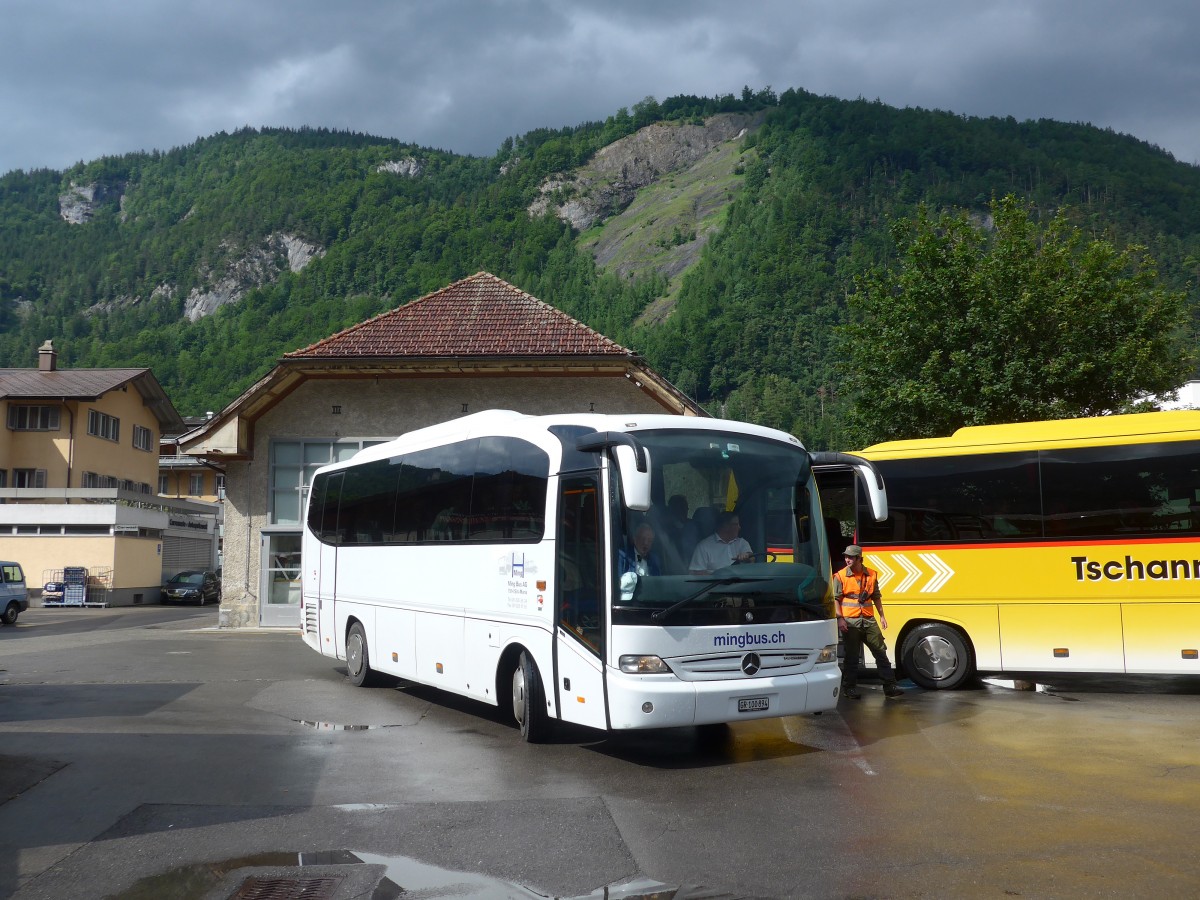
751, 664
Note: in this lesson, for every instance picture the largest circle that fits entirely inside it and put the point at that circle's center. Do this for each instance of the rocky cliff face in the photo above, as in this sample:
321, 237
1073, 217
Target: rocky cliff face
408, 167
78, 203
231, 278
611, 180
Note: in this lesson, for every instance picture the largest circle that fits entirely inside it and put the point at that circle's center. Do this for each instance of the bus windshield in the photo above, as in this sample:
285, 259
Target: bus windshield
729, 538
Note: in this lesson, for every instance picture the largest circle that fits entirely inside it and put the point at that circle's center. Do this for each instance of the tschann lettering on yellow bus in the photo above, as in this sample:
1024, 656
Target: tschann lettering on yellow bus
1135, 569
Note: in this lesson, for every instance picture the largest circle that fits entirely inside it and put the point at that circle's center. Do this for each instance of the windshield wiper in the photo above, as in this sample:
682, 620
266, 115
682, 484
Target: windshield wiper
708, 586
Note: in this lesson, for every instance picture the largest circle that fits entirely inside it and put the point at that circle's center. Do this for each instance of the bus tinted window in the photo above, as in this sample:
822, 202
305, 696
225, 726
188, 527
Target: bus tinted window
958, 498
368, 502
491, 489
509, 496
1135, 489
323, 506
316, 505
435, 493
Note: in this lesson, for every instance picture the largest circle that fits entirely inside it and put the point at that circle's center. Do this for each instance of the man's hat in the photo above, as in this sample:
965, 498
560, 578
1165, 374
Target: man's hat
852, 550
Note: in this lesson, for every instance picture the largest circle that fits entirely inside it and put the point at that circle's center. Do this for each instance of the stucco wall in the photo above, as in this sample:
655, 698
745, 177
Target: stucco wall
383, 408
72, 445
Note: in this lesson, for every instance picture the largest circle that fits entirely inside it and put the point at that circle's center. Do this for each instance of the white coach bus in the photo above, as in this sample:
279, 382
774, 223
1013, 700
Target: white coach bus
491, 556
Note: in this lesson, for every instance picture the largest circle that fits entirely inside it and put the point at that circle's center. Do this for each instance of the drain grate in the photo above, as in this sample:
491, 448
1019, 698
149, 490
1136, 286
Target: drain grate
287, 888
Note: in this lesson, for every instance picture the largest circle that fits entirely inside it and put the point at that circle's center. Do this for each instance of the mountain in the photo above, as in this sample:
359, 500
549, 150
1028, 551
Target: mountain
718, 236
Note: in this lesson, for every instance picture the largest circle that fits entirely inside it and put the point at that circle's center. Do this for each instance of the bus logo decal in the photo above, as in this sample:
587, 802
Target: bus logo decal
942, 573
751, 664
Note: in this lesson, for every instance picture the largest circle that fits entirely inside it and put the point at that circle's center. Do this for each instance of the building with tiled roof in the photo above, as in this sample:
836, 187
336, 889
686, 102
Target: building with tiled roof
477, 344
78, 477
478, 318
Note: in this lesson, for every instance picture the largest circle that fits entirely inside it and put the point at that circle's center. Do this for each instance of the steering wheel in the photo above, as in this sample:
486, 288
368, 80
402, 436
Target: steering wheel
765, 556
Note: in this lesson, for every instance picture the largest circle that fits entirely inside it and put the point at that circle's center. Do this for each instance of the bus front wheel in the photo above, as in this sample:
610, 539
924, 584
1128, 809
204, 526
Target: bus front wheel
937, 657
529, 708
358, 660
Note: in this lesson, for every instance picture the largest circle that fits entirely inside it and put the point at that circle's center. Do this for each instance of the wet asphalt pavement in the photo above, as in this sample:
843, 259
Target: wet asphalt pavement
143, 753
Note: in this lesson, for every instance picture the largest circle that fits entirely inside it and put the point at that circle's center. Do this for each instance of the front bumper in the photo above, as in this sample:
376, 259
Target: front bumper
665, 701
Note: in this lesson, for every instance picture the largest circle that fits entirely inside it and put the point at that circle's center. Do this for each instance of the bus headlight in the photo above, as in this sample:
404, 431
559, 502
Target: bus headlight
642, 665
828, 654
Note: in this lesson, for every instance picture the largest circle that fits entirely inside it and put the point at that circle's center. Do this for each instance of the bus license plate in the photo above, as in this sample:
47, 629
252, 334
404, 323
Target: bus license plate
752, 704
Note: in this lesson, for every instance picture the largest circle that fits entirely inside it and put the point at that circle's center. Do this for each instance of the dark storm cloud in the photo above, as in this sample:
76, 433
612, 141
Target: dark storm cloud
83, 78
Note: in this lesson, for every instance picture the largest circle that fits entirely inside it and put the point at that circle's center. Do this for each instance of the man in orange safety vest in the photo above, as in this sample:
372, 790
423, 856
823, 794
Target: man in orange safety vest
856, 598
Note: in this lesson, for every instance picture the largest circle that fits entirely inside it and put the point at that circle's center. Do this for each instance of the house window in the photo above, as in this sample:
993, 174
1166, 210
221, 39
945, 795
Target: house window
91, 480
220, 477
129, 485
292, 467
29, 478
163, 484
33, 418
195, 484
143, 439
103, 425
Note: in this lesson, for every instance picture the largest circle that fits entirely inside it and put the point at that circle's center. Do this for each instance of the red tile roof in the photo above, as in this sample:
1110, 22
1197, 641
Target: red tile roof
477, 316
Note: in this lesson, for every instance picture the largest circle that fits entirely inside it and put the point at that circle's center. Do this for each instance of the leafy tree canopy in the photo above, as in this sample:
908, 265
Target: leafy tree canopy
1017, 322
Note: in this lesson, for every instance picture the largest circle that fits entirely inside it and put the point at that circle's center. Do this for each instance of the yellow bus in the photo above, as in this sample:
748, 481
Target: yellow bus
1032, 548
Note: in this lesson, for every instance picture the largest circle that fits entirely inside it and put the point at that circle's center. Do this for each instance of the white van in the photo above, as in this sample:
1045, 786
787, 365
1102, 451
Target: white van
13, 598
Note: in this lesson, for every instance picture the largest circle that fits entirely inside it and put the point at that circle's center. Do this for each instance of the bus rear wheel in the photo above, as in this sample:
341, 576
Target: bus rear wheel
937, 657
529, 706
358, 660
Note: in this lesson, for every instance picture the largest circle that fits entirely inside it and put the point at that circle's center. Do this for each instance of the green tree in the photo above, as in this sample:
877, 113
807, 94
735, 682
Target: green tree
1017, 323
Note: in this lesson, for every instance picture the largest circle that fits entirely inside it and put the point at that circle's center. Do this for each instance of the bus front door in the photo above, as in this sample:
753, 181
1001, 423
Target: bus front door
579, 606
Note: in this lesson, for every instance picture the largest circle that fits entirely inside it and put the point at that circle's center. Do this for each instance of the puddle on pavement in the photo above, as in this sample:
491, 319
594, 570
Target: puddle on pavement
1034, 686
334, 726
405, 877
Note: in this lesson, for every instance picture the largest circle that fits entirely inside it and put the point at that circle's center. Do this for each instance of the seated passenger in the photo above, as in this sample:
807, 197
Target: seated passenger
722, 548
639, 558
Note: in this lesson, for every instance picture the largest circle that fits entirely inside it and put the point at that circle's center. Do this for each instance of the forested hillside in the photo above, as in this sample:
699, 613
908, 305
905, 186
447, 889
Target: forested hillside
207, 262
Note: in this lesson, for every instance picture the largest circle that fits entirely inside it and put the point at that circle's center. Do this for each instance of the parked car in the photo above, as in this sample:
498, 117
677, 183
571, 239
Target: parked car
192, 586
13, 598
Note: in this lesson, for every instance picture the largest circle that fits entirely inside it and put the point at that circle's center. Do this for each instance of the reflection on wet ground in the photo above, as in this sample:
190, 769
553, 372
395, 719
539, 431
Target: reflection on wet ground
331, 875
333, 726
1058, 683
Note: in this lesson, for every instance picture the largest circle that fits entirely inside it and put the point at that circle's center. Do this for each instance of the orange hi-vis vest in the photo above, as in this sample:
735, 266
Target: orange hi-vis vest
857, 591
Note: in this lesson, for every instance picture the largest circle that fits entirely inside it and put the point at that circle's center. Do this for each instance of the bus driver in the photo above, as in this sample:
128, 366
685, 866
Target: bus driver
721, 548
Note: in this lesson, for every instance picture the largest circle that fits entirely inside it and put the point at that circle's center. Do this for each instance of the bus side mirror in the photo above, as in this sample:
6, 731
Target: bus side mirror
635, 485
872, 481
868, 477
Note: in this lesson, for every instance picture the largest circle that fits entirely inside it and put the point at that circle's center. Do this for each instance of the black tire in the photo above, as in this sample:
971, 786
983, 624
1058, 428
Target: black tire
358, 659
529, 703
9, 616
937, 657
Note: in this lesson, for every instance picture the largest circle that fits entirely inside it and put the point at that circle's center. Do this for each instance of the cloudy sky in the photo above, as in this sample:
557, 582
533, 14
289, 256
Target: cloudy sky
80, 79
